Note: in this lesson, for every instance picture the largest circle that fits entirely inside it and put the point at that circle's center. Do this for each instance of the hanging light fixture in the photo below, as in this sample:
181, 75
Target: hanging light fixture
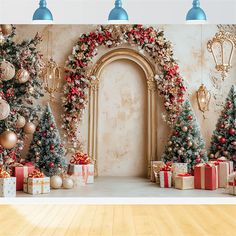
196, 14
222, 47
118, 14
42, 13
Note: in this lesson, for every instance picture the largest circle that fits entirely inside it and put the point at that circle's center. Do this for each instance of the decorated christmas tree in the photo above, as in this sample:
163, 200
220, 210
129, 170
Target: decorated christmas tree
223, 142
20, 66
46, 149
186, 144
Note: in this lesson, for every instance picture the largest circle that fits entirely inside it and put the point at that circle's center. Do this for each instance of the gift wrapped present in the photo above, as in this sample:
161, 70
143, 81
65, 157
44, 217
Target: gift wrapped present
166, 176
7, 184
206, 176
155, 169
81, 168
231, 185
36, 183
20, 172
225, 168
184, 181
178, 168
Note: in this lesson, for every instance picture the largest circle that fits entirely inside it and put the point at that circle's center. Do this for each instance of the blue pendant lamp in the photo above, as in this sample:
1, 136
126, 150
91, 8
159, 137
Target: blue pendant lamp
118, 13
196, 13
42, 13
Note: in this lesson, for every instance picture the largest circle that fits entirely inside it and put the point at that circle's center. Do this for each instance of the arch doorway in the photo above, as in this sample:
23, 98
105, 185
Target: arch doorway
97, 139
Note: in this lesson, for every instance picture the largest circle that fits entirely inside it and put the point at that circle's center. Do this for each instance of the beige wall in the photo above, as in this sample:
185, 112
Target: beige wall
122, 79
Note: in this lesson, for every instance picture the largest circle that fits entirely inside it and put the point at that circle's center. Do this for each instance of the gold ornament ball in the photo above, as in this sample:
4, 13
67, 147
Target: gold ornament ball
7, 70
185, 129
68, 183
56, 182
6, 29
2, 39
170, 149
190, 144
22, 76
4, 109
182, 148
37, 154
212, 155
39, 142
20, 123
234, 143
8, 139
180, 152
29, 128
170, 143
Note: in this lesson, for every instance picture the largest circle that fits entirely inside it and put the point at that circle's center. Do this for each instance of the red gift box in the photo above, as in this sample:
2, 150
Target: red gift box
206, 176
21, 172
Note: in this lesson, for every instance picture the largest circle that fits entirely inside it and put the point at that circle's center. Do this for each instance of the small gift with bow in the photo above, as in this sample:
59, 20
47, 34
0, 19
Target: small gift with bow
21, 171
7, 184
184, 181
166, 176
206, 176
36, 183
225, 168
231, 185
81, 168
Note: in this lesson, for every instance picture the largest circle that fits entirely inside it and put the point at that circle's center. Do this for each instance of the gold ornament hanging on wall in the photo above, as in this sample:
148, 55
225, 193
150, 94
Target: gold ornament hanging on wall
52, 78
222, 47
203, 98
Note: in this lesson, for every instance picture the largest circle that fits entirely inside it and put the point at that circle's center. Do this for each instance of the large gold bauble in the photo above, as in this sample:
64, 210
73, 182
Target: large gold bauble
6, 29
7, 71
68, 183
56, 182
29, 128
8, 139
20, 123
22, 76
4, 109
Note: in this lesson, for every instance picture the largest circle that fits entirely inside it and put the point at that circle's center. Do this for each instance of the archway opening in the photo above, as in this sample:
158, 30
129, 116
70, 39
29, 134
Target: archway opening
122, 120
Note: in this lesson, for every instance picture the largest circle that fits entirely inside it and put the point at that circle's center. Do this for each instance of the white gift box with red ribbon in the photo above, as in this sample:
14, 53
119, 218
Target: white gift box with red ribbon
165, 179
231, 185
83, 174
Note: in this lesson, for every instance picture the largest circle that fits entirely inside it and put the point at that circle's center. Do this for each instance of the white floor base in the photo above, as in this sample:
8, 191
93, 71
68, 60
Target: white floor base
127, 187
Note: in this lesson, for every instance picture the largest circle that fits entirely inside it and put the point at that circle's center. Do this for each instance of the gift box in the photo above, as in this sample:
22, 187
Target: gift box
36, 183
20, 172
8, 187
155, 169
184, 181
225, 168
82, 174
165, 179
178, 168
206, 176
231, 185
7, 184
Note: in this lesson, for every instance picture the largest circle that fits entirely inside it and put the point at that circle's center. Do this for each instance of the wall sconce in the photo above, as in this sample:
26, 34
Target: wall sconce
203, 98
51, 78
222, 48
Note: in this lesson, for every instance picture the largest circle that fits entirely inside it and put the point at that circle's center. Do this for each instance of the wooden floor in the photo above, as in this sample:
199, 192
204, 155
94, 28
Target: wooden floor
199, 220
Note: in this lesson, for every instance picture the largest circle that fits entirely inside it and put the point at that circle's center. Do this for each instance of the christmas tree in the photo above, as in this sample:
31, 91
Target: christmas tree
20, 66
46, 149
186, 144
223, 142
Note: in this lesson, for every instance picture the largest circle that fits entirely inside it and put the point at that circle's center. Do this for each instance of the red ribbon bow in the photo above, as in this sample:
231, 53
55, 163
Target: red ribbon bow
80, 158
167, 167
36, 174
184, 174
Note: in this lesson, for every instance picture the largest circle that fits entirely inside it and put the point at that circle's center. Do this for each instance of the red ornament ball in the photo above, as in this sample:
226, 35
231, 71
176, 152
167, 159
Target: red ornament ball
232, 131
190, 117
198, 160
52, 147
219, 147
222, 126
51, 165
222, 140
225, 116
190, 127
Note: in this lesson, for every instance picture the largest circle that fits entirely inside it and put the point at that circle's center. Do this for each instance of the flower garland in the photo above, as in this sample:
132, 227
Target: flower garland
147, 40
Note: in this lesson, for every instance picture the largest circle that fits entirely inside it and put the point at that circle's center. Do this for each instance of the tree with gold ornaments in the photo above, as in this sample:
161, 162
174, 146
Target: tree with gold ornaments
20, 66
46, 149
186, 144
223, 142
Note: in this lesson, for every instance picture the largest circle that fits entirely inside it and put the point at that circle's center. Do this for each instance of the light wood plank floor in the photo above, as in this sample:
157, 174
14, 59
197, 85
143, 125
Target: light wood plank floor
117, 220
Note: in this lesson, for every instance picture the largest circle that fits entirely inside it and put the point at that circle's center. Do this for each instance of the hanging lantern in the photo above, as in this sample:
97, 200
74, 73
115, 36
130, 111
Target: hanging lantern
51, 78
203, 98
222, 48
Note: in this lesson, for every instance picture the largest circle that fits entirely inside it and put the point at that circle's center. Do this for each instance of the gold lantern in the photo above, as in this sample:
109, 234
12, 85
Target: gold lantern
203, 98
222, 48
52, 78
